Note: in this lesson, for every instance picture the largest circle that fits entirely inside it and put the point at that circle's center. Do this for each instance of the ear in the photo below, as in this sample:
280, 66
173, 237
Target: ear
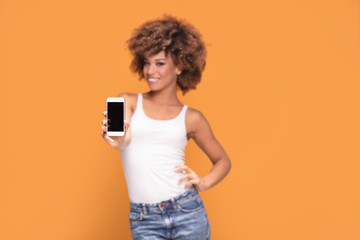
177, 71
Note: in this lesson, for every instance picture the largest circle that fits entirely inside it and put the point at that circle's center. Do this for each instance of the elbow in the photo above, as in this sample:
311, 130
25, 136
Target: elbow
225, 163
229, 165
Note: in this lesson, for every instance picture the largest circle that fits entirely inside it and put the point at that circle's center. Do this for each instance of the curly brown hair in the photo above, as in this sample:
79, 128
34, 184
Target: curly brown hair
176, 37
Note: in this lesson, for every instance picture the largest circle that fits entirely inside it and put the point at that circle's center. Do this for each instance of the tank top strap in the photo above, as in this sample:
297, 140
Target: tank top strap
139, 112
139, 101
183, 113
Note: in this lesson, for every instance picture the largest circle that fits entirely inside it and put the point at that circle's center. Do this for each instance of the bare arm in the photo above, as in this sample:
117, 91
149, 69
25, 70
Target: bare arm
200, 131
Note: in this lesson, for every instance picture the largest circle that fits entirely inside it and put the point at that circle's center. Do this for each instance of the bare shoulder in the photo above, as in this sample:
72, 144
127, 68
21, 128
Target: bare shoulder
195, 121
194, 115
130, 101
127, 95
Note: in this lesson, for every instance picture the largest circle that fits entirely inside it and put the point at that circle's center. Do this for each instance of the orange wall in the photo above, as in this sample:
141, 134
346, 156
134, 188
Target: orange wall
280, 89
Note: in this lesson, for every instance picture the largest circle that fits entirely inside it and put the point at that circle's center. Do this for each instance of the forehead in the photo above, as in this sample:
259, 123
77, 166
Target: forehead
159, 55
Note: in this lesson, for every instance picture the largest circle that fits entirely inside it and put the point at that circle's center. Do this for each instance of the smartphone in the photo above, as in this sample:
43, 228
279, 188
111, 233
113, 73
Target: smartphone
115, 107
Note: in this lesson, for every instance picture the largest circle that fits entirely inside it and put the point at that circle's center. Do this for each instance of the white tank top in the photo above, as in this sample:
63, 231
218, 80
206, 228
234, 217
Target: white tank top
156, 147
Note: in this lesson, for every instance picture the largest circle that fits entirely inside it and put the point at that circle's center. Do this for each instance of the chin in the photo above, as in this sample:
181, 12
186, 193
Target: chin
154, 87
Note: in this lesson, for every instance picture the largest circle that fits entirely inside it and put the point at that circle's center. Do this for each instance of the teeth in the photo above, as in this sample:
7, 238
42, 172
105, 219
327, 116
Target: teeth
153, 79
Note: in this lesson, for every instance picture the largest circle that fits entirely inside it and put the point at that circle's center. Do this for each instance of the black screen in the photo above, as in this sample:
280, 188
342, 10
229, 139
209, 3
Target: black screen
115, 112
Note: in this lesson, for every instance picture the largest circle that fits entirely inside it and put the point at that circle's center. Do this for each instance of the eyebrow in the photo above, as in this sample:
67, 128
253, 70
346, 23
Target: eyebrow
158, 59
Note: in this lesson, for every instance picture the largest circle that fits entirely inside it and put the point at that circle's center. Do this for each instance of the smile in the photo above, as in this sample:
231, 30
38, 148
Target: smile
153, 79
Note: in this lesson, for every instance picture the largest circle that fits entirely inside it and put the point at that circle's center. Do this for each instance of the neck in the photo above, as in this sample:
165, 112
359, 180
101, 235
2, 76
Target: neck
164, 97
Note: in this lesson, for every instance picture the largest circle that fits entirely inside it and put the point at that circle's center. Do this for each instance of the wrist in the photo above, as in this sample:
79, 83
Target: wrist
203, 185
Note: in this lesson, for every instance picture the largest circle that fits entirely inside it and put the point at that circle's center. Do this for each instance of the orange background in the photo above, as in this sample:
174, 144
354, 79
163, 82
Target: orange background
280, 90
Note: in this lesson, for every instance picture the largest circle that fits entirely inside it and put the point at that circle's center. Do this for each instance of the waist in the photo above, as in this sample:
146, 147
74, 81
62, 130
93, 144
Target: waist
159, 207
151, 183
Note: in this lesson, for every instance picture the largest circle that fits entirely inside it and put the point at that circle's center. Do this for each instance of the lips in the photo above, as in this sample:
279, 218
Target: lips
153, 80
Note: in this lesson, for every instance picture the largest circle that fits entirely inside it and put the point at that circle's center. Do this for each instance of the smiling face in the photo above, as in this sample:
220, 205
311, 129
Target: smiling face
160, 71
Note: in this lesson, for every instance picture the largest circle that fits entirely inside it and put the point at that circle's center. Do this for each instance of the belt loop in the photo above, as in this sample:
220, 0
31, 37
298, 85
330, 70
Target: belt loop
173, 202
161, 209
144, 209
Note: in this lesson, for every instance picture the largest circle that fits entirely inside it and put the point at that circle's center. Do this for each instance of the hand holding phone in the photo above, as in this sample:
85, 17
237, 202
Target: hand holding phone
114, 124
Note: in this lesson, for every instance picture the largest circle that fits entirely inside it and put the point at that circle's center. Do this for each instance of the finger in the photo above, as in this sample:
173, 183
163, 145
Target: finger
180, 167
104, 113
190, 183
187, 176
194, 182
103, 136
104, 122
183, 168
107, 138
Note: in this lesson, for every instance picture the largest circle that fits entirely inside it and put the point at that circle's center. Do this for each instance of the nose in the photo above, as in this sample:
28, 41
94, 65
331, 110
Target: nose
151, 69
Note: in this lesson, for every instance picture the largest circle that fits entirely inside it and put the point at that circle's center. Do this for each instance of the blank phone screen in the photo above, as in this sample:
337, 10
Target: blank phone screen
115, 112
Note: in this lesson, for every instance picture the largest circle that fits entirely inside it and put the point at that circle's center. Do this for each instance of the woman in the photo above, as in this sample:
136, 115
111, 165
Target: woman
164, 202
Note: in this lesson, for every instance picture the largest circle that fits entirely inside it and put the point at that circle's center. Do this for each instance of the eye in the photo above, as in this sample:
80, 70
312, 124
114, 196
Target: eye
160, 64
146, 63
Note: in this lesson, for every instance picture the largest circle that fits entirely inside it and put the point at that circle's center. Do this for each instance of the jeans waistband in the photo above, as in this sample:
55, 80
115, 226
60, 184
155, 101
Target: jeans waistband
167, 204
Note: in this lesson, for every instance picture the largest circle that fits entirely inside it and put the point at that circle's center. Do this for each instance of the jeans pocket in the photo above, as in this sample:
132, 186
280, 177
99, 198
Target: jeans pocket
135, 216
191, 205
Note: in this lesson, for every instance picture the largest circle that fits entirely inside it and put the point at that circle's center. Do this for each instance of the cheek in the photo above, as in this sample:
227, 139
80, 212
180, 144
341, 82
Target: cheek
144, 71
170, 72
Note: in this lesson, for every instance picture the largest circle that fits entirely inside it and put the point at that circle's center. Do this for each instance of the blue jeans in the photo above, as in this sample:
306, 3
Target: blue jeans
183, 217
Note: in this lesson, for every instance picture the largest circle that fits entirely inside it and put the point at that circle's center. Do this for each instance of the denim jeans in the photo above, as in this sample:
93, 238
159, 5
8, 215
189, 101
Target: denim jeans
180, 218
